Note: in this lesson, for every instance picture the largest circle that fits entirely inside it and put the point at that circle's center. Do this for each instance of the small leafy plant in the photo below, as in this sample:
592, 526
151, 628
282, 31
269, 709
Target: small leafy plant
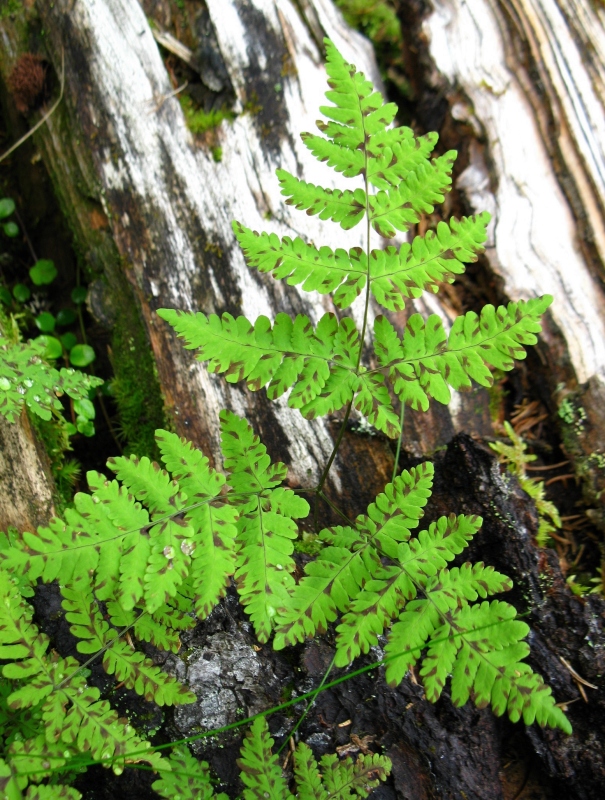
138, 554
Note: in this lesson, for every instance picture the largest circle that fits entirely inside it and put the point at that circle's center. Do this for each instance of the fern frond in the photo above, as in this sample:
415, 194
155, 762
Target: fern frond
345, 207
213, 541
346, 780
352, 557
129, 666
26, 379
426, 362
358, 110
400, 207
381, 598
186, 778
394, 274
266, 527
317, 269
260, 769
72, 712
488, 666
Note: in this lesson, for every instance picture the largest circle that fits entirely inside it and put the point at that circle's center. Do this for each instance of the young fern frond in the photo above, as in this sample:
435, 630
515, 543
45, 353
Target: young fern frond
25, 379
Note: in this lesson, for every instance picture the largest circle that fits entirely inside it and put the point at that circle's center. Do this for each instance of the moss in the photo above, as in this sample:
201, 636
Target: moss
10, 7
135, 387
200, 121
64, 470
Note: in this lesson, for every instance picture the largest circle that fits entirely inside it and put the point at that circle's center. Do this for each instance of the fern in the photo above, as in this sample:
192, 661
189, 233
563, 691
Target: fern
52, 693
25, 379
516, 458
145, 553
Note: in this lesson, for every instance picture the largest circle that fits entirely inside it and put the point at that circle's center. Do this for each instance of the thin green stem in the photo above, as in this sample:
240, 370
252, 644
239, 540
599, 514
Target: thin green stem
326, 470
398, 451
309, 705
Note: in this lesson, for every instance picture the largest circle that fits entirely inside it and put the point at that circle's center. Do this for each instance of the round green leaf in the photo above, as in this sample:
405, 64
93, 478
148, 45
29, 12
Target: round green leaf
5, 296
21, 293
84, 408
11, 229
85, 426
54, 349
43, 272
78, 294
82, 355
7, 206
66, 316
46, 322
70, 428
68, 340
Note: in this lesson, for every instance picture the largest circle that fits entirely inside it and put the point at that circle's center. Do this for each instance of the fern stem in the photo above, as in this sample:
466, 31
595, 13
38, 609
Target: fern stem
335, 508
398, 451
309, 705
324, 474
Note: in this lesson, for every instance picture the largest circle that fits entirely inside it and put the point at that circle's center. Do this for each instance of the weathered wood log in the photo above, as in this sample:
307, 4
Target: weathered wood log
151, 208
525, 81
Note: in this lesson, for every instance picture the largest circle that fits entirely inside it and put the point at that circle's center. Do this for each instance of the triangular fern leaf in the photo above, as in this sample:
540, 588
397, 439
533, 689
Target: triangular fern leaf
260, 769
374, 402
266, 529
429, 260
481, 645
185, 778
352, 556
345, 207
399, 208
426, 361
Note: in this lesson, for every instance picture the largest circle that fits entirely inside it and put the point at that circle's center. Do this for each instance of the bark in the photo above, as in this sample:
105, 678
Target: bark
518, 88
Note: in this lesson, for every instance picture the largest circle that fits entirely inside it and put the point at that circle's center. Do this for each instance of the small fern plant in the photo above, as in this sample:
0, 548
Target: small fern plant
261, 774
148, 552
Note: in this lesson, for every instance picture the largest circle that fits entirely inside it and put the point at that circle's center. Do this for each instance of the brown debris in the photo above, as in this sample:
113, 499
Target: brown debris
26, 82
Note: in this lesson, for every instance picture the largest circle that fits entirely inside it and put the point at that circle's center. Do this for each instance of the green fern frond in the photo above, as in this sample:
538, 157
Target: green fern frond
214, 524
394, 274
260, 770
185, 778
73, 714
266, 527
26, 379
427, 361
129, 666
352, 557
429, 260
488, 667
345, 780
